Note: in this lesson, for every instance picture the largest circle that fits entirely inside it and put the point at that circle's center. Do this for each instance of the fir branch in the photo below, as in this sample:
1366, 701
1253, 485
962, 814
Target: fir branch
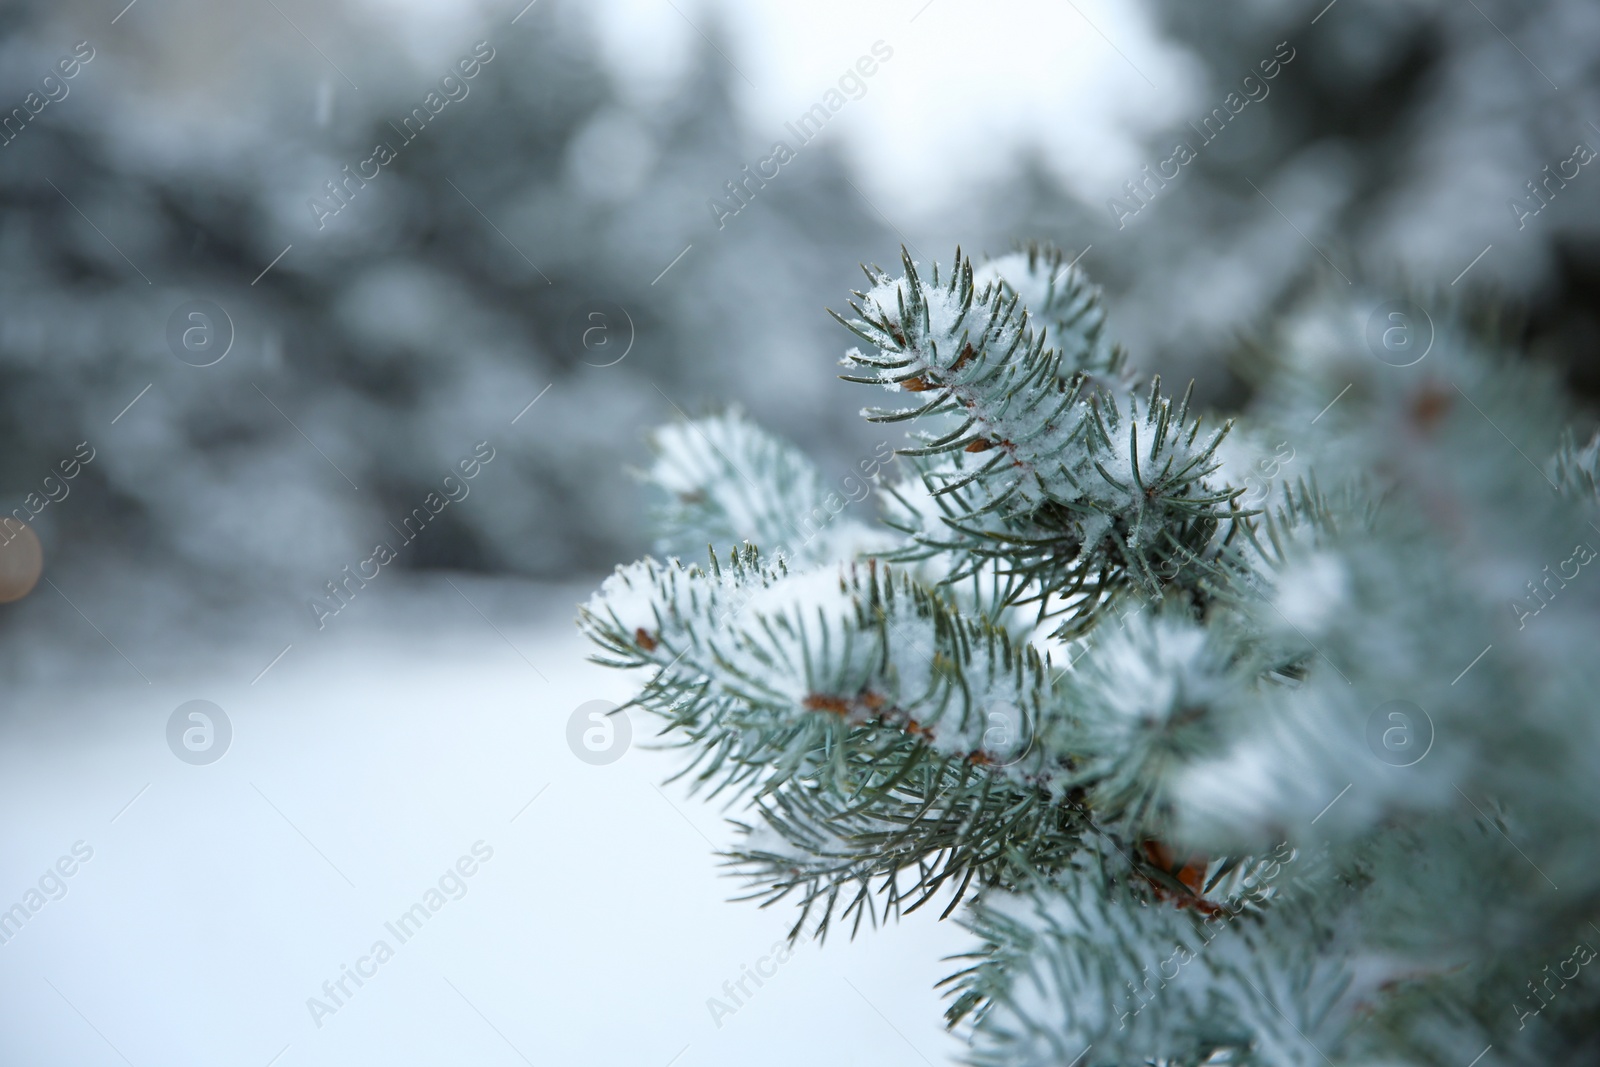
1032, 463
1577, 470
854, 705
723, 480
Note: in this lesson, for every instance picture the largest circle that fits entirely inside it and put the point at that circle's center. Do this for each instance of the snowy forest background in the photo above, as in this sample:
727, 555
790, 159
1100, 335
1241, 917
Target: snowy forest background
374, 349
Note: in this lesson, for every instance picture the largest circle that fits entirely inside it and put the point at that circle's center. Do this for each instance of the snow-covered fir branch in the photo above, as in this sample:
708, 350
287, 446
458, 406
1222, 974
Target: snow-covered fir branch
1230, 760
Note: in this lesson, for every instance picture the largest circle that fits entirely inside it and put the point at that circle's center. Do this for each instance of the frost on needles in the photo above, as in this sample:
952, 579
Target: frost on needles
1296, 768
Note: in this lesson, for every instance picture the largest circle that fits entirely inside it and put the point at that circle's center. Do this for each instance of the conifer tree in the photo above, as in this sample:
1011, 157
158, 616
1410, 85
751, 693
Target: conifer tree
1267, 744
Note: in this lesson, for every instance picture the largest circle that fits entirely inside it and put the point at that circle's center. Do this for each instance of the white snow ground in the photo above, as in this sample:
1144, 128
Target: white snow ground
363, 764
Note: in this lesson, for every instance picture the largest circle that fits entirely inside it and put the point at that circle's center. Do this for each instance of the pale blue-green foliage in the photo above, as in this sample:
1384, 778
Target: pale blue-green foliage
1144, 699
1151, 983
762, 640
723, 481
1457, 580
1064, 307
1334, 761
1577, 470
855, 706
1473, 547
1035, 457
